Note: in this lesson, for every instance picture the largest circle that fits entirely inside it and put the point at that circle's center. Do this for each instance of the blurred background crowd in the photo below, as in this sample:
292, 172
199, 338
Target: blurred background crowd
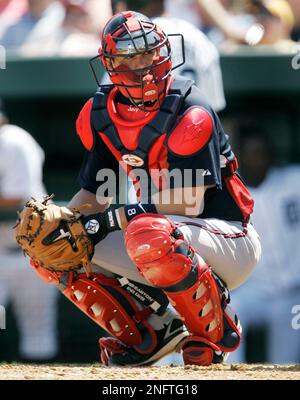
71, 27
265, 132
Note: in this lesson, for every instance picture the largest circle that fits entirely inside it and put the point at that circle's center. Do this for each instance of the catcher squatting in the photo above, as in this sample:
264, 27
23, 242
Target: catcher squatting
155, 277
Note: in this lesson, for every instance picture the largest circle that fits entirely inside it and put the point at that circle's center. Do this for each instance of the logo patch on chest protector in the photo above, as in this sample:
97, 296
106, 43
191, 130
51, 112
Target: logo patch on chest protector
150, 92
133, 160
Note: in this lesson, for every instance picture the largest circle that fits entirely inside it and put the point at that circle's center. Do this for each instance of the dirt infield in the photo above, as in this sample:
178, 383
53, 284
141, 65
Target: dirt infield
97, 372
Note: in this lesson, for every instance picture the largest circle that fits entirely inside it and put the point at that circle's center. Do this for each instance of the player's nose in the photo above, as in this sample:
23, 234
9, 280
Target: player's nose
143, 62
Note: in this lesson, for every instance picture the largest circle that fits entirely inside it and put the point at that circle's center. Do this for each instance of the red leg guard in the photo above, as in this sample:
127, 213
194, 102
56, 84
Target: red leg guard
45, 275
200, 351
111, 307
167, 261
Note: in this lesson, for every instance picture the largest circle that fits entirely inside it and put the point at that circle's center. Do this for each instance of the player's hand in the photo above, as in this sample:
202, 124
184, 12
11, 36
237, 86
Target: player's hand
53, 237
99, 225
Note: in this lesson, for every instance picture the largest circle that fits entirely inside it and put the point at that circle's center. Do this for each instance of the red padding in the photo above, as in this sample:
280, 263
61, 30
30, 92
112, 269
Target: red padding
45, 275
192, 133
240, 194
93, 298
83, 125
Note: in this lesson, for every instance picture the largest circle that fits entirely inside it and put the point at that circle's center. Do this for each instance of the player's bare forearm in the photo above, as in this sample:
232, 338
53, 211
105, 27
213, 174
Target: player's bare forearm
222, 19
95, 204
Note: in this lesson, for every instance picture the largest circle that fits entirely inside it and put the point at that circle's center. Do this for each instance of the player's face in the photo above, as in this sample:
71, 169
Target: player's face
139, 61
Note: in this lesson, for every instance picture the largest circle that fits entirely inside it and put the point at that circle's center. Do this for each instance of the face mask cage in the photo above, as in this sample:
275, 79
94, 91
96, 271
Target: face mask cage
124, 44
135, 81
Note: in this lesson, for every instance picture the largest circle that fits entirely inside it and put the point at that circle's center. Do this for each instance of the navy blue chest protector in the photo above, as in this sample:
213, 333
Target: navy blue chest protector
162, 123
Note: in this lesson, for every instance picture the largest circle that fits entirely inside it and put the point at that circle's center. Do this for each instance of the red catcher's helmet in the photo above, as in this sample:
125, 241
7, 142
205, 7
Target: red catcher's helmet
128, 34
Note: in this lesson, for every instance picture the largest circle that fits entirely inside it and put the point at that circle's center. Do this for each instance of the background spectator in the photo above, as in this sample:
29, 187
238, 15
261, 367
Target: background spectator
34, 303
266, 300
53, 27
118, 6
253, 22
295, 5
277, 18
99, 11
76, 37
217, 18
10, 12
40, 22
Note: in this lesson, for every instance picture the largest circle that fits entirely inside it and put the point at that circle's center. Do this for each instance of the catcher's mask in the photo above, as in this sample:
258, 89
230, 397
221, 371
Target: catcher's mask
129, 34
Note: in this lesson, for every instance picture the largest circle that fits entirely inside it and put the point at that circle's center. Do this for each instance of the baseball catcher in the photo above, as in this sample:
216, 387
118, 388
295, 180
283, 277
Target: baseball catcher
155, 273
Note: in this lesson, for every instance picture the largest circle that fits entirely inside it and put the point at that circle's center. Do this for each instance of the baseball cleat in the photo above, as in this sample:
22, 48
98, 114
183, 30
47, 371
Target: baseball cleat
168, 340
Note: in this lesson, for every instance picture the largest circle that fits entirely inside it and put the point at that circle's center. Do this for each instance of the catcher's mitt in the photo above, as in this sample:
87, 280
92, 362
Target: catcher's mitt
53, 236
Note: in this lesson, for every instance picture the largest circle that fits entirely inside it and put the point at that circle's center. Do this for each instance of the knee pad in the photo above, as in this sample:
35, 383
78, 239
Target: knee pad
159, 250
